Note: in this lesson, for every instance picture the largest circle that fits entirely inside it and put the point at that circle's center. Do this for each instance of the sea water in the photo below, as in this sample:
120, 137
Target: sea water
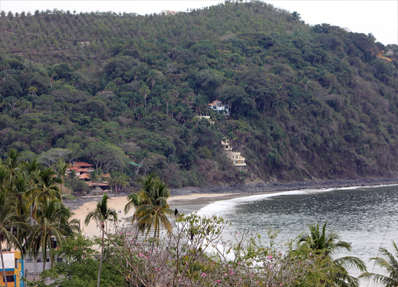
366, 217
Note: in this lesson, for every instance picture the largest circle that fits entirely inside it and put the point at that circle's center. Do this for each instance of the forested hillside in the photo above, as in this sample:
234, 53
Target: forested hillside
307, 101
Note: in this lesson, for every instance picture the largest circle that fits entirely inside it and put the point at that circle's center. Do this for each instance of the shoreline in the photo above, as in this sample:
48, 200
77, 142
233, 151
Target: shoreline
242, 190
195, 199
257, 188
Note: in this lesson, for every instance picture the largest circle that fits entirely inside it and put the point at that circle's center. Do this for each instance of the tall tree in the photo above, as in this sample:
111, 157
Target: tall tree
95, 176
61, 171
389, 263
325, 245
101, 215
52, 221
151, 205
46, 187
32, 169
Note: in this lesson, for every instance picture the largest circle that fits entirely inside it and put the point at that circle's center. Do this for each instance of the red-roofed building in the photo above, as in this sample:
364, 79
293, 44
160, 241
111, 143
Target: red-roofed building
80, 168
84, 176
79, 164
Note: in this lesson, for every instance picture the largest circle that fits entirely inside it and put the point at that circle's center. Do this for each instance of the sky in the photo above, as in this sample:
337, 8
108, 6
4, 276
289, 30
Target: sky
377, 17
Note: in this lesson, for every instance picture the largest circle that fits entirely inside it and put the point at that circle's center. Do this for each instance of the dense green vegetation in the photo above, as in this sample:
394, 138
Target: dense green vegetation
32, 214
307, 102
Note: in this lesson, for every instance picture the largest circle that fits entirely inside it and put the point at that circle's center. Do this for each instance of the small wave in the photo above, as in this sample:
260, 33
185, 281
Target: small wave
228, 206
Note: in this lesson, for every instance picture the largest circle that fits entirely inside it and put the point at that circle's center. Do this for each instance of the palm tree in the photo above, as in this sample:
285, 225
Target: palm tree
8, 219
95, 176
325, 245
51, 222
151, 205
120, 179
390, 263
32, 169
17, 192
144, 90
72, 176
101, 215
46, 187
112, 179
61, 171
137, 199
4, 176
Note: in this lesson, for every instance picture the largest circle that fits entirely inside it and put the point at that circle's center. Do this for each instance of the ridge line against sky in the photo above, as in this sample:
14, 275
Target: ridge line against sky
377, 17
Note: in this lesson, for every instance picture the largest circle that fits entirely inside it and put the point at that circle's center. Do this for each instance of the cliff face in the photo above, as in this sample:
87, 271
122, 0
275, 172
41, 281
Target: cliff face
305, 102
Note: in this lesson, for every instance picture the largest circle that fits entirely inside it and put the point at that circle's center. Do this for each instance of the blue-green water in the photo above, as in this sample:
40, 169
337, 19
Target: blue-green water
366, 217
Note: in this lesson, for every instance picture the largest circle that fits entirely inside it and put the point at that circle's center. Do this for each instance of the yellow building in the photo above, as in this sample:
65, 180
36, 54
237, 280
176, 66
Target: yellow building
237, 159
14, 267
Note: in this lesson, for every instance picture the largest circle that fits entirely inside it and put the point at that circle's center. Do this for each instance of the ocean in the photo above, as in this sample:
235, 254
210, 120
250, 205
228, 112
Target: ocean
364, 216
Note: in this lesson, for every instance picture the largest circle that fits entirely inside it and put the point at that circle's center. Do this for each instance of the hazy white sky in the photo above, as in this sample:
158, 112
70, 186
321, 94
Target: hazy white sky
377, 17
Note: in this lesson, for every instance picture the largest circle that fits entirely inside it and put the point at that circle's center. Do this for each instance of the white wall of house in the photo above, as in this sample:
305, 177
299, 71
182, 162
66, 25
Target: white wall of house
9, 261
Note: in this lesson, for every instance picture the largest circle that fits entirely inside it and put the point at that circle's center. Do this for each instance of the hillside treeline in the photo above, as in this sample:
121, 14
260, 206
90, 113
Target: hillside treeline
306, 101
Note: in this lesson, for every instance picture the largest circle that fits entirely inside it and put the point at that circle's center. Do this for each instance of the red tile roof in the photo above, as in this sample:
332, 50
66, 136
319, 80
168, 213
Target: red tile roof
79, 163
84, 176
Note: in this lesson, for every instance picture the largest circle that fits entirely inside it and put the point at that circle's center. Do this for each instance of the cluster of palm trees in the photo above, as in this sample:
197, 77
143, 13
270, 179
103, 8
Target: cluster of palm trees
116, 179
32, 215
325, 244
151, 209
151, 205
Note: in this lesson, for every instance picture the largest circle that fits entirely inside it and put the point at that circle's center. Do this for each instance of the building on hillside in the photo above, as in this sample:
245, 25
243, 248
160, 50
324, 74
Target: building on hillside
84, 176
14, 267
169, 12
389, 53
236, 158
80, 168
379, 55
226, 146
205, 117
219, 107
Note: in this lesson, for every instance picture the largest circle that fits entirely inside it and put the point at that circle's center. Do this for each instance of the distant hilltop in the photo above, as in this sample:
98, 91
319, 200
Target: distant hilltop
169, 12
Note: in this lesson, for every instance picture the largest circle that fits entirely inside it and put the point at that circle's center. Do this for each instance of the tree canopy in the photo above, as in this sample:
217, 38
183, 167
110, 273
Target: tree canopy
317, 101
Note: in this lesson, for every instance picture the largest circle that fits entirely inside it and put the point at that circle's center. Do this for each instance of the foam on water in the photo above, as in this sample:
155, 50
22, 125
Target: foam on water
223, 206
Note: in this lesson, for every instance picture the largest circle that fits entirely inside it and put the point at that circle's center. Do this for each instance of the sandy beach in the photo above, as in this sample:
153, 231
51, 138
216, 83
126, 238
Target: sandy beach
185, 202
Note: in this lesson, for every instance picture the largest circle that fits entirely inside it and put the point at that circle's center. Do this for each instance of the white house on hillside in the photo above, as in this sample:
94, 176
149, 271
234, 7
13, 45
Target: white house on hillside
219, 107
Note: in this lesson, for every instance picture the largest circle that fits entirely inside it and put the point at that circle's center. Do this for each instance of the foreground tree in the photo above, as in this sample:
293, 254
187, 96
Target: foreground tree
151, 205
389, 263
47, 187
325, 245
81, 267
101, 215
52, 221
195, 254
